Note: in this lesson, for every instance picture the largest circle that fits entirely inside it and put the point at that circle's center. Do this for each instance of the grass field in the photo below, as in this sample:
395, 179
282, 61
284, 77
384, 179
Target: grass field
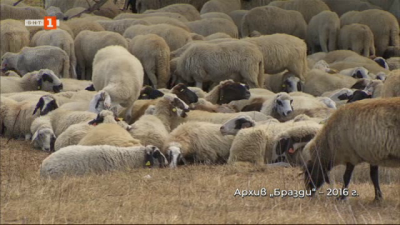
192, 194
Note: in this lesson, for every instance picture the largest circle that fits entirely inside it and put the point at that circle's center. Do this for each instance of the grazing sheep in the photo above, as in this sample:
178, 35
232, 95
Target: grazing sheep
357, 37
187, 10
21, 13
58, 38
83, 24
174, 36
285, 21
235, 60
143, 5
346, 138
283, 82
224, 6
153, 52
308, 9
43, 79
78, 160
197, 142
282, 51
322, 31
36, 58
88, 43
384, 36
119, 74
120, 26
154, 129
210, 26
14, 36
391, 87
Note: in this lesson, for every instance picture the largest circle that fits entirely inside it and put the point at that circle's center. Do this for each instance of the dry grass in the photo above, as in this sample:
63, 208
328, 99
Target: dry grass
193, 194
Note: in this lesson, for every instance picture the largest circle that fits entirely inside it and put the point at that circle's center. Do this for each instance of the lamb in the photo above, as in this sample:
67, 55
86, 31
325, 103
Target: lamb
36, 58
154, 129
143, 5
350, 126
19, 13
78, 25
285, 21
308, 9
58, 38
187, 10
210, 26
174, 36
384, 36
153, 52
78, 160
322, 31
224, 6
391, 86
197, 142
16, 117
357, 37
14, 36
282, 51
229, 56
43, 79
283, 82
120, 75
88, 43
119, 26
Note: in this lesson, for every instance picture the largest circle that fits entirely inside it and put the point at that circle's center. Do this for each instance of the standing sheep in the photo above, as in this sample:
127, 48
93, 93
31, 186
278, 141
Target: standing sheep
14, 36
153, 52
308, 8
358, 38
285, 21
81, 24
385, 30
210, 26
187, 10
55, 11
224, 6
322, 31
119, 74
35, 58
120, 26
58, 38
88, 43
347, 138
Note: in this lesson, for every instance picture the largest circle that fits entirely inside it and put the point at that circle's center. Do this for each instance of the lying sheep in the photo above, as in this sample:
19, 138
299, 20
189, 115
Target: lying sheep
43, 79
210, 26
81, 24
21, 13
148, 92
88, 43
239, 59
278, 106
283, 82
285, 21
391, 86
14, 36
358, 72
36, 58
358, 38
384, 36
322, 31
58, 38
187, 10
153, 52
227, 91
78, 160
346, 140
120, 75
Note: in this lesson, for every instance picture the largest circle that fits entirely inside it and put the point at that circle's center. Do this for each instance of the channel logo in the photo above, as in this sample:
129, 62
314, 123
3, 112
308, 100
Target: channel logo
48, 23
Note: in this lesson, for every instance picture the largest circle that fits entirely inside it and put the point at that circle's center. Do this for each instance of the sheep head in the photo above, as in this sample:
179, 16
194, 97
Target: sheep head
291, 83
175, 157
177, 105
184, 93
99, 102
283, 104
232, 127
154, 157
148, 92
44, 138
232, 91
48, 81
46, 104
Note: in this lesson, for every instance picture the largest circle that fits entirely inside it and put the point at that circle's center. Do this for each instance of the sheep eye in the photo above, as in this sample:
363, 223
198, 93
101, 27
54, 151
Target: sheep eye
279, 102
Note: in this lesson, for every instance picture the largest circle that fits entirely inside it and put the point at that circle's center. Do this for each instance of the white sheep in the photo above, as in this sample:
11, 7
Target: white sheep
187, 10
119, 74
210, 26
14, 36
78, 160
78, 25
357, 37
322, 31
119, 26
391, 86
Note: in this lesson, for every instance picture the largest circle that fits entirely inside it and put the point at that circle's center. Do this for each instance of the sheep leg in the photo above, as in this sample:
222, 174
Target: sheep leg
152, 77
374, 174
346, 178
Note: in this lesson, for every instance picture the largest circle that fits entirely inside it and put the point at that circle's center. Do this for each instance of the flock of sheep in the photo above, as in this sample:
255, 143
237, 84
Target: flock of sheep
312, 83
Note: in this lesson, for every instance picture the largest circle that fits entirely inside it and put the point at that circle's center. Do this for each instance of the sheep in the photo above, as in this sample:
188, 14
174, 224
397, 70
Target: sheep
328, 102
393, 63
372, 67
205, 105
227, 91
357, 37
217, 35
382, 62
120, 75
391, 85
43, 79
174, 36
148, 92
357, 72
36, 58
153, 52
14, 36
176, 16
10, 73
187, 10
285, 21
346, 139
78, 25
224, 6
33, 30
282, 51
166, 20
58, 38
314, 58
210, 26
283, 82
55, 11
229, 56
143, 5
280, 105
78, 160
88, 43
323, 30
74, 85
21, 13
73, 12
16, 117
154, 129
120, 26
308, 9
197, 142
343, 6
95, 18
216, 15
237, 16
384, 36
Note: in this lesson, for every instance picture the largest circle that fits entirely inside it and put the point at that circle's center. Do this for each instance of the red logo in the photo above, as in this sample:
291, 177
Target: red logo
50, 22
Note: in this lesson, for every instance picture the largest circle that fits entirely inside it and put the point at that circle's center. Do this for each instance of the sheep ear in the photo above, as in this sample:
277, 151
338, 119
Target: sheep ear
39, 105
35, 136
47, 77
